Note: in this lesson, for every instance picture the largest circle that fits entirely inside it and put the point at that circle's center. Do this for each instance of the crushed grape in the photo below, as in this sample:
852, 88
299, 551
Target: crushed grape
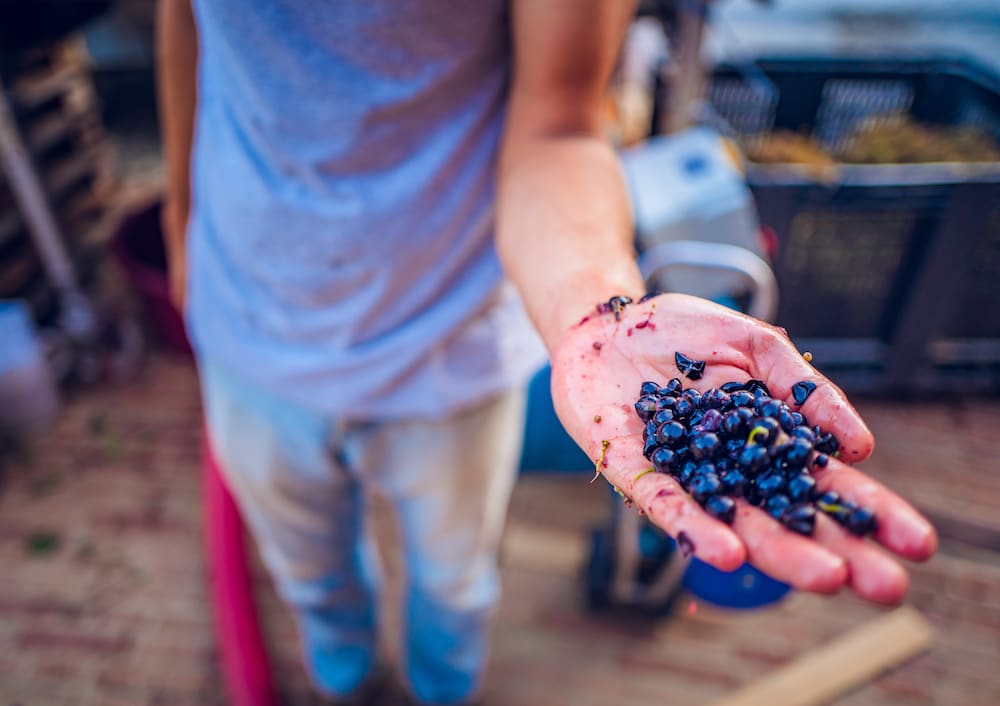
737, 441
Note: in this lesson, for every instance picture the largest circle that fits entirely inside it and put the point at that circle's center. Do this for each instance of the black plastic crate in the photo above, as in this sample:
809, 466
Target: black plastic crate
889, 273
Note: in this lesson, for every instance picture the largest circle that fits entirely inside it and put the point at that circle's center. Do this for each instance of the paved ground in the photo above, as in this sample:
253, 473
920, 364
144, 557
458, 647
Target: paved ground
102, 595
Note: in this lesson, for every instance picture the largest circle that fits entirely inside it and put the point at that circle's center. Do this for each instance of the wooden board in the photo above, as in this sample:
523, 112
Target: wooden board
847, 662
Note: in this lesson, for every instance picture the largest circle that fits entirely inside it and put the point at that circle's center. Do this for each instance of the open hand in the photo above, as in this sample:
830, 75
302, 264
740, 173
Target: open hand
597, 370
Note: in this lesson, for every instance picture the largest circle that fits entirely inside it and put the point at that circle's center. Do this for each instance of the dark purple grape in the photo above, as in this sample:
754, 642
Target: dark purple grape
734, 447
649, 446
803, 432
663, 416
706, 467
826, 443
714, 398
666, 402
800, 518
734, 424
711, 420
703, 485
821, 460
861, 521
662, 458
831, 497
835, 506
649, 388
741, 398
779, 449
682, 455
753, 458
776, 505
672, 435
733, 482
771, 408
731, 387
721, 508
758, 388
645, 407
704, 445
771, 483
786, 421
801, 487
802, 390
798, 453
798, 419
685, 408
686, 471
672, 388
763, 432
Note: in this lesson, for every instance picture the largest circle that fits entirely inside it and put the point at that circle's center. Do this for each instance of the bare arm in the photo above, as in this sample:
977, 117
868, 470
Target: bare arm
564, 229
565, 239
177, 61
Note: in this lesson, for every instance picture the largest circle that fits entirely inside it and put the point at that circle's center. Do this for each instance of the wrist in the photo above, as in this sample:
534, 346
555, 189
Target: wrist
580, 295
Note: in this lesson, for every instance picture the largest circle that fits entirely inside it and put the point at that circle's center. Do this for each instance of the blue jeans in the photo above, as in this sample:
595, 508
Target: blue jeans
300, 479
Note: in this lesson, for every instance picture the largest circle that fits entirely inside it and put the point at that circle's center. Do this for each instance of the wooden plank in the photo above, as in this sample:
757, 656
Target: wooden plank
847, 662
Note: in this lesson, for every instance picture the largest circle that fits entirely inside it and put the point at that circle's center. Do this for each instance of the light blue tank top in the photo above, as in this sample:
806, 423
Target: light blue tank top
341, 245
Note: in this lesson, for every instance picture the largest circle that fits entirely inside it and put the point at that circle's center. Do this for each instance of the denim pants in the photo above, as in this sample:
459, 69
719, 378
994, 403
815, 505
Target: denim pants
300, 479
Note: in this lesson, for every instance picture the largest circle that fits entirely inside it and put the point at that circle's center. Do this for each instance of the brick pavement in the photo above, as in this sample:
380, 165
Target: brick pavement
102, 596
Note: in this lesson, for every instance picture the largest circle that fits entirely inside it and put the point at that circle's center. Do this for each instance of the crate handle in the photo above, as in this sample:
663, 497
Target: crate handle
717, 256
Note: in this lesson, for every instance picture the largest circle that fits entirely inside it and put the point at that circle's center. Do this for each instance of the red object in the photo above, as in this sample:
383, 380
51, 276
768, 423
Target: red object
138, 246
246, 668
769, 241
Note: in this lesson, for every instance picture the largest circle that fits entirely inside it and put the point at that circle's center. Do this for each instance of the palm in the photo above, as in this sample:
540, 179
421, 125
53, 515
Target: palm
597, 370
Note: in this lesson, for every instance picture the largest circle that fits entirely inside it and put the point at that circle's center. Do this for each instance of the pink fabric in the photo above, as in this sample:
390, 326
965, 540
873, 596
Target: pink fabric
246, 669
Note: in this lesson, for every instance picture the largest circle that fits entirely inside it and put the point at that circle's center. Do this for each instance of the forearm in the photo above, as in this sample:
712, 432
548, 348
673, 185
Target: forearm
564, 227
177, 60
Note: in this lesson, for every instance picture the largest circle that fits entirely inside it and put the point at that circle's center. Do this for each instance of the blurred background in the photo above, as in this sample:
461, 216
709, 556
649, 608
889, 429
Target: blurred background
832, 167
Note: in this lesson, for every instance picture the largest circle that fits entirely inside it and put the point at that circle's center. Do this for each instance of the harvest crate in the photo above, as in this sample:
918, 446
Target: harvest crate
888, 273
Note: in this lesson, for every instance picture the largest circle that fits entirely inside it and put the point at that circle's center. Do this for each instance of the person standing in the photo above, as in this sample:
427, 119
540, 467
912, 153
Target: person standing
364, 200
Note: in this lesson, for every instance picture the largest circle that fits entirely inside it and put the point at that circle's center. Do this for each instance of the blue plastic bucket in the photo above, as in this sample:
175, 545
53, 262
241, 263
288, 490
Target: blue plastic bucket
28, 399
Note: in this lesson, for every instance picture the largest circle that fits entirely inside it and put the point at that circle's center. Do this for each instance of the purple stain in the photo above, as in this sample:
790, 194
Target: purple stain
685, 544
598, 345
